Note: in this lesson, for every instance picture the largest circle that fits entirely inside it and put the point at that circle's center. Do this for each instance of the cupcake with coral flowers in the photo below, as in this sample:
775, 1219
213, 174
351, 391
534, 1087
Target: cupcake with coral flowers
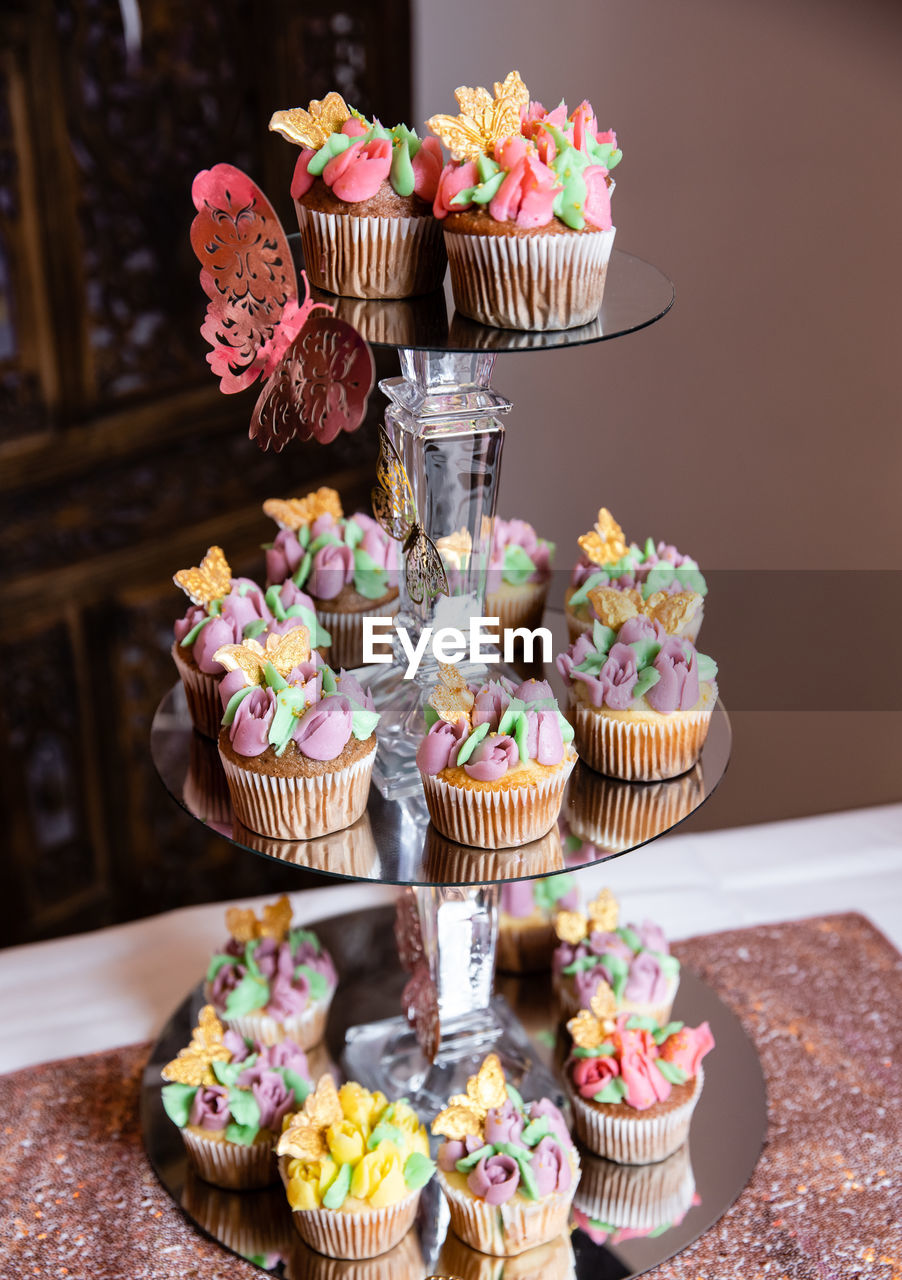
363, 196
518, 576
507, 1168
353, 1165
229, 1096
526, 208
494, 761
646, 573
297, 742
348, 565
634, 960
271, 981
640, 700
633, 1084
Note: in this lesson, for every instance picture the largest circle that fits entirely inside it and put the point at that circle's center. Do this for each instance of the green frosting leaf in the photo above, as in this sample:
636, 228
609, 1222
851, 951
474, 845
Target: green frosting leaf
325, 539
317, 982
251, 630
353, 533
431, 716
330, 684
513, 709
297, 938
486, 167
602, 636
566, 736
195, 631
272, 678
645, 680
303, 536
646, 651
177, 1102
244, 1107
517, 566
549, 891
295, 1082
664, 1033
580, 964
290, 705
389, 1132
581, 594
363, 722
418, 1169
472, 743
332, 147
536, 1130
521, 734
618, 968
250, 994
707, 667
614, 1091
592, 663
302, 572
466, 1163
243, 1134
600, 1051
640, 1022
250, 950
514, 1095
273, 599
401, 174
318, 633
218, 962
670, 966
369, 579
670, 1071
630, 937
227, 1073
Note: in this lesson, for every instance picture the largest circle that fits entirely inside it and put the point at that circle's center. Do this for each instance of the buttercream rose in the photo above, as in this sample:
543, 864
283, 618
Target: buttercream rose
284, 557
503, 1124
324, 731
494, 1179
210, 1108
590, 1075
253, 717
687, 1047
379, 1177
645, 983
358, 172
550, 1167
285, 1054
272, 1095
678, 688
439, 748
333, 567
644, 1083
545, 1107
641, 628
236, 1045
526, 196
491, 703
454, 179
651, 936
618, 676
492, 758
217, 632
427, 169
544, 740
456, 1149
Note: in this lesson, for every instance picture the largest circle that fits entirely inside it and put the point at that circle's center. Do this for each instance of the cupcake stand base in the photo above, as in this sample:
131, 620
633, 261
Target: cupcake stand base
628, 1220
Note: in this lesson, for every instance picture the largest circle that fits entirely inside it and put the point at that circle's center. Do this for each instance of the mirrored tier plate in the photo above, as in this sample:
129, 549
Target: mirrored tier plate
624, 1220
395, 843
636, 295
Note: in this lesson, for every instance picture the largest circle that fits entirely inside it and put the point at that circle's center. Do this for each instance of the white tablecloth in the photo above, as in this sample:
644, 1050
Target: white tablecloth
116, 986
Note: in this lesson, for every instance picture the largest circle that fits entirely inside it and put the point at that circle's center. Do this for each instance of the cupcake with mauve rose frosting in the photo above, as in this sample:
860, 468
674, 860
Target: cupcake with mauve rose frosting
526, 208
363, 196
494, 761
526, 934
518, 576
346, 566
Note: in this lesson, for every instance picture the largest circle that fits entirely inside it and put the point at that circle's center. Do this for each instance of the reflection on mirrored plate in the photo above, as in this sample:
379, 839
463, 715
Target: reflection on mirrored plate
256, 1224
551, 1261
640, 1199
394, 322
615, 816
403, 1262
446, 862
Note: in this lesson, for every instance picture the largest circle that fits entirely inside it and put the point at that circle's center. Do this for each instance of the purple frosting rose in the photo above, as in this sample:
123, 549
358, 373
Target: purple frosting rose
651, 936
324, 731
273, 1096
678, 688
351, 687
611, 944
494, 1179
518, 899
645, 983
641, 628
210, 1108
333, 568
253, 717
455, 1149
492, 701
550, 1167
533, 691
545, 1107
285, 1054
585, 983
492, 758
618, 676
503, 1124
439, 748
544, 741
236, 1043
576, 654
284, 557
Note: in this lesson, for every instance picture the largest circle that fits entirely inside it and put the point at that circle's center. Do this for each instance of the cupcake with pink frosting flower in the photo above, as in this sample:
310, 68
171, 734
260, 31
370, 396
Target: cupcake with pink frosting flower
229, 1096
518, 576
346, 566
526, 208
494, 761
298, 741
271, 981
363, 195
507, 1168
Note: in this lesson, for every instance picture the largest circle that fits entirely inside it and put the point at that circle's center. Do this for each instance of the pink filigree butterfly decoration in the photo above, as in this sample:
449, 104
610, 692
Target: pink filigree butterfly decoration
318, 371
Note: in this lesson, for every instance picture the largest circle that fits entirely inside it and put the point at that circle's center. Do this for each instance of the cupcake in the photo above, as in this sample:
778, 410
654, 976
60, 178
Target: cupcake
551, 1261
633, 1083
229, 1096
634, 960
363, 196
616, 816
508, 1169
270, 981
297, 742
353, 1165
526, 208
526, 934
224, 610
494, 761
518, 576
606, 561
348, 567
641, 700
628, 1201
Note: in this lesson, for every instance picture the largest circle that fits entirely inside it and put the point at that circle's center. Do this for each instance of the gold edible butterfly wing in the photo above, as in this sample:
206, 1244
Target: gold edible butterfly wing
424, 569
393, 502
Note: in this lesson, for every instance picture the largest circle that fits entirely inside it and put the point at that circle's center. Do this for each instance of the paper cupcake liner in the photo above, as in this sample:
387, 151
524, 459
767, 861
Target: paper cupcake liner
634, 1138
620, 815
639, 750
450, 862
305, 1029
371, 257
525, 948
529, 282
363, 1234
505, 1230
550, 1261
523, 609
296, 808
346, 629
403, 1262
202, 695
564, 989
640, 1197
229, 1164
687, 630
349, 852
246, 1223
497, 819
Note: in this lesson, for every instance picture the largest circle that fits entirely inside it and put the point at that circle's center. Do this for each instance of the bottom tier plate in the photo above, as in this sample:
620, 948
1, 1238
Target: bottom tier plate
626, 1220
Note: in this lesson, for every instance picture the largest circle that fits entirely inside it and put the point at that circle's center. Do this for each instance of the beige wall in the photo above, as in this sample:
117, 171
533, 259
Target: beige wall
758, 424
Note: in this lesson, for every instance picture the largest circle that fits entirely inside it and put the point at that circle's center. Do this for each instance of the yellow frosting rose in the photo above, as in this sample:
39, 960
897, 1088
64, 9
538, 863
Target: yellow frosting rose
360, 1106
308, 1180
379, 1177
346, 1141
406, 1121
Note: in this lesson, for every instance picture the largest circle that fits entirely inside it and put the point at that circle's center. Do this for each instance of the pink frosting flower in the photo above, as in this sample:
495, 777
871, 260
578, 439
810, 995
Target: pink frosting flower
641, 628
597, 205
618, 676
210, 1108
544, 741
248, 731
526, 196
644, 1083
283, 558
533, 117
324, 731
687, 1047
427, 169
301, 180
551, 1167
491, 702
457, 1149
333, 568
439, 747
503, 1124
454, 178
590, 1075
492, 758
678, 688
494, 1179
584, 123
510, 151
358, 172
354, 128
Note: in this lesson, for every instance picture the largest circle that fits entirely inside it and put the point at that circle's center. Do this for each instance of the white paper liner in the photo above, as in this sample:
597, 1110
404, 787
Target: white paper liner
687, 630
356, 1235
305, 1029
519, 607
639, 750
229, 1164
371, 257
634, 1138
641, 1197
620, 815
346, 629
539, 282
497, 819
201, 694
296, 808
508, 1229
246, 1224
564, 989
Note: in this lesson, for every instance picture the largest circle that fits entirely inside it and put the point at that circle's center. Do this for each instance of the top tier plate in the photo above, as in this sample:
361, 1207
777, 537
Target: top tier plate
636, 295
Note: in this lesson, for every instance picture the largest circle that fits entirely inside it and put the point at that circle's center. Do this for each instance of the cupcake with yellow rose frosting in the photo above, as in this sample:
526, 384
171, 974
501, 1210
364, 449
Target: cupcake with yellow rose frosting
353, 1165
507, 1168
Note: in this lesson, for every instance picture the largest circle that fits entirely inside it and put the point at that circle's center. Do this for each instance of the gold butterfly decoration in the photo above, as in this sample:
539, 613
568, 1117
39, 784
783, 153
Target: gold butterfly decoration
396, 511
466, 1112
603, 912
605, 544
303, 1138
590, 1029
274, 921
211, 580
284, 652
315, 125
194, 1064
483, 120
571, 926
292, 513
451, 698
615, 607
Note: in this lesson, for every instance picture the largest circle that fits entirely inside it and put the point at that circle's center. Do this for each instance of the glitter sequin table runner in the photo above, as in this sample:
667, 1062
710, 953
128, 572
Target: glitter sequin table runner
820, 997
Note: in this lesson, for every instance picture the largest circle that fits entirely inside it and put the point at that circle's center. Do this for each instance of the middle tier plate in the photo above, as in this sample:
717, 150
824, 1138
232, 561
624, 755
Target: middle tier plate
395, 843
